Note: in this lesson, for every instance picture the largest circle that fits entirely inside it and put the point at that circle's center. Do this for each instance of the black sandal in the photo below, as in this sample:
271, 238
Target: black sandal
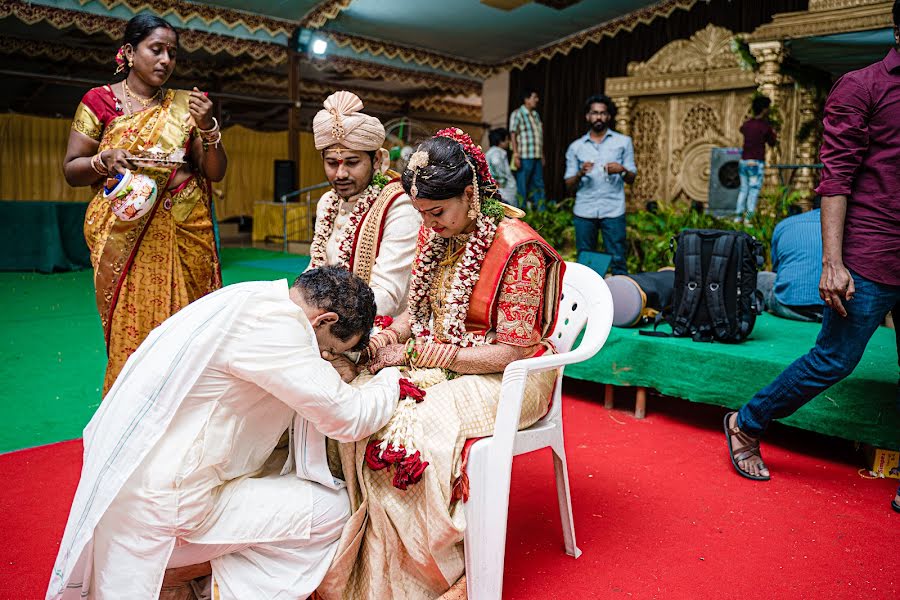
749, 449
894, 504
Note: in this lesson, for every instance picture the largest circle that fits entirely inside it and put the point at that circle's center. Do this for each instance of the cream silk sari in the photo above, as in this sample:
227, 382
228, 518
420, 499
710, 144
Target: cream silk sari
408, 544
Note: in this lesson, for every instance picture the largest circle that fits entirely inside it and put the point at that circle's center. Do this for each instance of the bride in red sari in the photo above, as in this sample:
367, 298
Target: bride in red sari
484, 292
147, 269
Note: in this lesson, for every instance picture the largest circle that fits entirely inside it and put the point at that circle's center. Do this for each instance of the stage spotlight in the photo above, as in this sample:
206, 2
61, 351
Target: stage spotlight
319, 46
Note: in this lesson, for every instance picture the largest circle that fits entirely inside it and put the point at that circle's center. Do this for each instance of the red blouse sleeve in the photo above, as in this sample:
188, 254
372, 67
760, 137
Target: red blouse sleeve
521, 298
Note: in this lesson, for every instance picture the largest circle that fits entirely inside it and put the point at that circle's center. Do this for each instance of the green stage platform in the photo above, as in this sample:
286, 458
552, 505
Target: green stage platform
861, 408
52, 361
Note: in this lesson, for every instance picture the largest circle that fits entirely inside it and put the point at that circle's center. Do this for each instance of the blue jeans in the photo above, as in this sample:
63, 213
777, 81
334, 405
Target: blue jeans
838, 349
613, 230
530, 182
751, 173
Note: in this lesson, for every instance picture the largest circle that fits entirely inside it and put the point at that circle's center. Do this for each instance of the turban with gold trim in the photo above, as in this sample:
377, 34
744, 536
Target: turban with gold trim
340, 122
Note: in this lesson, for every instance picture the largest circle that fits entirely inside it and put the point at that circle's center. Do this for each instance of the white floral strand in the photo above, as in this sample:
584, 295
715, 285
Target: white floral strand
400, 431
426, 378
318, 254
466, 276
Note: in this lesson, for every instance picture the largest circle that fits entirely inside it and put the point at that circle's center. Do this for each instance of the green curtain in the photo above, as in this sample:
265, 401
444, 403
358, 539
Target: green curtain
43, 236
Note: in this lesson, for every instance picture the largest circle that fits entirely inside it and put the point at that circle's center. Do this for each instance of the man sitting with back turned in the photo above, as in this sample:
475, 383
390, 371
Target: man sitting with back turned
179, 467
792, 291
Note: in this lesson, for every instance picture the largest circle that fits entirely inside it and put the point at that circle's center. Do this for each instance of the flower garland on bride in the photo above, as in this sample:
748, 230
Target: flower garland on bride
468, 270
325, 225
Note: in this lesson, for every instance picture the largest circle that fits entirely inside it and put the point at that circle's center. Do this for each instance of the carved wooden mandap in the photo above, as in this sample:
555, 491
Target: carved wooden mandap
690, 97
693, 95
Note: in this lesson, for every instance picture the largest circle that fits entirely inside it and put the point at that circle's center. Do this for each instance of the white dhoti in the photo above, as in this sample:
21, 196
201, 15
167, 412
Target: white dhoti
179, 465
266, 537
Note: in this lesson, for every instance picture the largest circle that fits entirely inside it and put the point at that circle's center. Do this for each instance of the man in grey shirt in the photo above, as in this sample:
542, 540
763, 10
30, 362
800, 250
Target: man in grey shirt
498, 164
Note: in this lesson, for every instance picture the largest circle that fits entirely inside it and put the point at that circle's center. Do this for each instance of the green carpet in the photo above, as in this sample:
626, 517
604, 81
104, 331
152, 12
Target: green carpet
52, 361
861, 408
52, 356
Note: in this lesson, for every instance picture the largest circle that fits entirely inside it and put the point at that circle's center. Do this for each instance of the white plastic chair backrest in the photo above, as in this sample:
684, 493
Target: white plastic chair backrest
586, 302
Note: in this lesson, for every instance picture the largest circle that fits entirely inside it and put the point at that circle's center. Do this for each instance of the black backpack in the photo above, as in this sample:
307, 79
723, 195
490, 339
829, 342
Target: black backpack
715, 296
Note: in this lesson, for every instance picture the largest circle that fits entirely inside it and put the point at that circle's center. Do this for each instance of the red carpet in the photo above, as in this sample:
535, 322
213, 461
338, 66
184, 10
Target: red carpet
659, 513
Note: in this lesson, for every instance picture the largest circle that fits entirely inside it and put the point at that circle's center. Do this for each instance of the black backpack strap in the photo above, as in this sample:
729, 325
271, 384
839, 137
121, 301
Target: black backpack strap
660, 318
714, 287
692, 291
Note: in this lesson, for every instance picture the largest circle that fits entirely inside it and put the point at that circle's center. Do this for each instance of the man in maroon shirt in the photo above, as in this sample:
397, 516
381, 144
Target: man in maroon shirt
860, 282
757, 133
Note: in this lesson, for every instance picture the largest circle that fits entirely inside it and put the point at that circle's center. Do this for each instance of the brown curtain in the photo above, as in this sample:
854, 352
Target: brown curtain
564, 82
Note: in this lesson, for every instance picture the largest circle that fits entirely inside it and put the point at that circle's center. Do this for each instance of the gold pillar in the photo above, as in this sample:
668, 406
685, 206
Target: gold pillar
624, 104
808, 148
769, 81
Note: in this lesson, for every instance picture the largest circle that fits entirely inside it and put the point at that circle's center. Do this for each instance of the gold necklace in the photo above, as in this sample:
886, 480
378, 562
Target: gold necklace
145, 102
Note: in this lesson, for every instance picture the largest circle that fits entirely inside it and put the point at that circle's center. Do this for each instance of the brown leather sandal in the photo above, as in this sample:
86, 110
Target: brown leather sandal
748, 449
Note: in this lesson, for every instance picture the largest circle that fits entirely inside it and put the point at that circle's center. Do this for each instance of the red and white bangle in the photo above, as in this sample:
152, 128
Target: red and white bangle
435, 355
102, 171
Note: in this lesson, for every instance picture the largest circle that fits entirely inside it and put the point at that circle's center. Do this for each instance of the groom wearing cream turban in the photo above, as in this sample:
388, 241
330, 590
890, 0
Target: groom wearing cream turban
366, 222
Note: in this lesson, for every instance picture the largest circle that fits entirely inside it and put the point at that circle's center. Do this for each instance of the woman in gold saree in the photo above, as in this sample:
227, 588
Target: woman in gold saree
147, 269
484, 292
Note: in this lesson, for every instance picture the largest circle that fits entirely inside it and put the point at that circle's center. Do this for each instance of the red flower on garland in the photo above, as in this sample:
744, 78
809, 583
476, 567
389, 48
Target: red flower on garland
373, 460
393, 454
408, 468
409, 471
410, 390
384, 321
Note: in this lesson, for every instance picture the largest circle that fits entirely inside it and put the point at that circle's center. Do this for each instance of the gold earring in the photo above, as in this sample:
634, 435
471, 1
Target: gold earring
475, 204
130, 63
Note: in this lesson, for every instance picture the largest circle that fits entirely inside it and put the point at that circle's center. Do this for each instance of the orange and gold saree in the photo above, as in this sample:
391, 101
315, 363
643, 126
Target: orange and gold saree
147, 269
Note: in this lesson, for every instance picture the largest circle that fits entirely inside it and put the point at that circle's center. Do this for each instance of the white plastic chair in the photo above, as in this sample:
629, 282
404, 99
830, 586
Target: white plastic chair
586, 304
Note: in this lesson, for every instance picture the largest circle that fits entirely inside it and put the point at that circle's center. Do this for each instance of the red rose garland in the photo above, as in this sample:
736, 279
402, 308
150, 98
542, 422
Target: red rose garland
396, 448
466, 275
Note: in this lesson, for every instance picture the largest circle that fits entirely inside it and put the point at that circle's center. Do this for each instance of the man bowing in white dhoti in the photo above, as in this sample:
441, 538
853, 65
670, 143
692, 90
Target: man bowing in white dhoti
175, 459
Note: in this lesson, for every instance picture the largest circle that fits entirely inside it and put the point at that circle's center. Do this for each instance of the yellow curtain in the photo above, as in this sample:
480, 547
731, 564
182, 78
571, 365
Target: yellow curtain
250, 177
32, 150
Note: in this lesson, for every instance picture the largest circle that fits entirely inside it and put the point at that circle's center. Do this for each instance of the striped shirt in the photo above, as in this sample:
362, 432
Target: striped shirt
526, 124
797, 259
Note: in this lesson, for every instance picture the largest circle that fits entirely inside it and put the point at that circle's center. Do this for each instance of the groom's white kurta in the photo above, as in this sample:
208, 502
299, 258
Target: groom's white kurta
174, 456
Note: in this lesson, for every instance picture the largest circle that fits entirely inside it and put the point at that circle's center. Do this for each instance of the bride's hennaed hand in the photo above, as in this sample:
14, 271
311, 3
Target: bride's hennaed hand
393, 355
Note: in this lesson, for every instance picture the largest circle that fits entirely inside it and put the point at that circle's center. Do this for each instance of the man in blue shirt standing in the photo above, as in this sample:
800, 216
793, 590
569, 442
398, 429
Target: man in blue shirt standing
598, 165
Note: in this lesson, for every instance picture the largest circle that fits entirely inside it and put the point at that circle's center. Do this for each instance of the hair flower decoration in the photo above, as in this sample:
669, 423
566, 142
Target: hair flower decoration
419, 159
